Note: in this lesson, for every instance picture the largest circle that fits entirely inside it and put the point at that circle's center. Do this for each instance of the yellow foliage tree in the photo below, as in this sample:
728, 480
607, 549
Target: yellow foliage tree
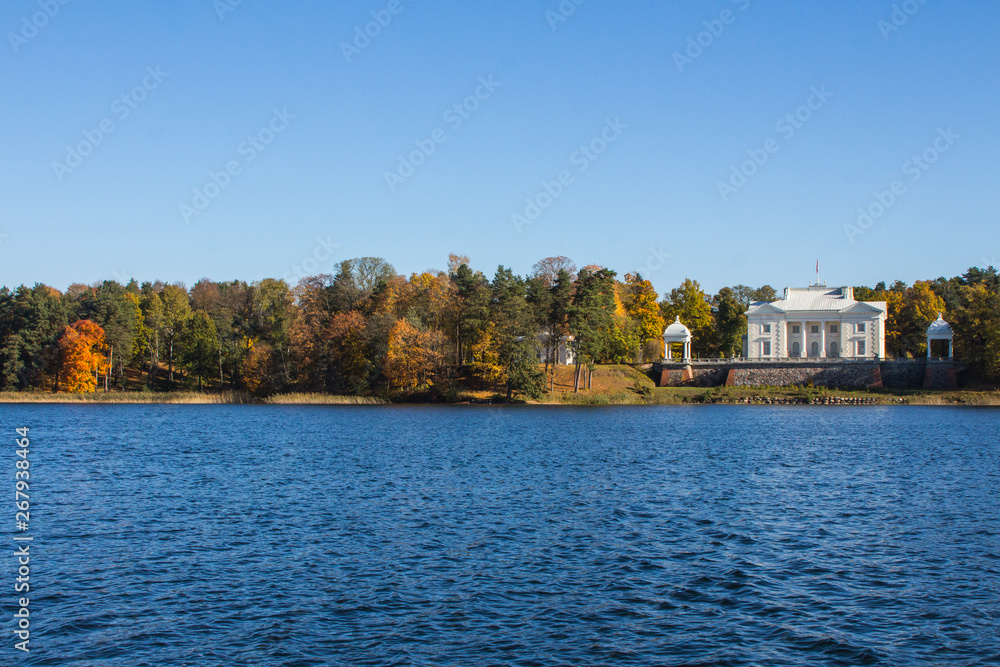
411, 359
256, 368
81, 347
640, 304
486, 357
893, 322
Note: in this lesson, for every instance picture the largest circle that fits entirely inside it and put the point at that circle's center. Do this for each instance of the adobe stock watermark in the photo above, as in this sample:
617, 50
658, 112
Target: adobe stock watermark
913, 169
31, 25
223, 7
121, 276
363, 35
697, 44
322, 253
787, 126
121, 108
582, 159
454, 117
247, 152
900, 16
655, 260
562, 12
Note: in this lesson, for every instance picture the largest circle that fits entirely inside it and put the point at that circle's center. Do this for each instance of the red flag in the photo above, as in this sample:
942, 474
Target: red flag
817, 266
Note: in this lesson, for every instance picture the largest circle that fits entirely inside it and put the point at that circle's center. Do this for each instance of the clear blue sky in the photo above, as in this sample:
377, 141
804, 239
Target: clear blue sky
887, 96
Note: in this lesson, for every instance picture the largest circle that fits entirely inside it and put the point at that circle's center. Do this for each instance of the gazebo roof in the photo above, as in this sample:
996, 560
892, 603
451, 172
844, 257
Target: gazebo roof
677, 332
939, 329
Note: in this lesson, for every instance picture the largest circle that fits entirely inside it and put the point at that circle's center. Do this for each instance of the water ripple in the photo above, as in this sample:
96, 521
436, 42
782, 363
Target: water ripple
238, 535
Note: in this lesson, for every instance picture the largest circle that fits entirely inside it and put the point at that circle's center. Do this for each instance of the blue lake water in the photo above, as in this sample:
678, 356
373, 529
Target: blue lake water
715, 535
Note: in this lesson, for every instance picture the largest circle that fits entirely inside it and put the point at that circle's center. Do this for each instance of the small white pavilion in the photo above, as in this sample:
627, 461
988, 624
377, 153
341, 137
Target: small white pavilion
677, 333
940, 330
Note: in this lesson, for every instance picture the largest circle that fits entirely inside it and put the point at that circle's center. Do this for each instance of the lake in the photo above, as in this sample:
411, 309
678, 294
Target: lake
477, 535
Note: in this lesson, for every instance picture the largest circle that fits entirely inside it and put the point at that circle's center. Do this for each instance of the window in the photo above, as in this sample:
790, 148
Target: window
795, 328
833, 328
815, 328
860, 327
766, 348
765, 328
861, 348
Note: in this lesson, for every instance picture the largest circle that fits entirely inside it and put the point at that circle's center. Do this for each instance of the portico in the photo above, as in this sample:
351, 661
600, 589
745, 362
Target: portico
816, 322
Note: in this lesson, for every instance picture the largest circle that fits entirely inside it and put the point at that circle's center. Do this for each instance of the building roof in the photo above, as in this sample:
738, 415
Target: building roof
677, 331
818, 298
939, 329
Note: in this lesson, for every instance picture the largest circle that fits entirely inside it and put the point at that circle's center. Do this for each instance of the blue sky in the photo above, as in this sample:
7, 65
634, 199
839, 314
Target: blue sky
654, 190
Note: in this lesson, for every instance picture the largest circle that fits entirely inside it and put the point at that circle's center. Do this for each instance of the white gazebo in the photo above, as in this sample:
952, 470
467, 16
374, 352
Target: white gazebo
940, 330
677, 333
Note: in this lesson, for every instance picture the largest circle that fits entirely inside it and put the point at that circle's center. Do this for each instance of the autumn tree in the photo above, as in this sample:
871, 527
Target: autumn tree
307, 331
920, 307
485, 354
256, 369
639, 300
346, 350
411, 359
82, 348
547, 270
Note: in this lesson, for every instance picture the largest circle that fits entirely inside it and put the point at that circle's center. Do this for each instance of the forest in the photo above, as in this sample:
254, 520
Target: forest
366, 330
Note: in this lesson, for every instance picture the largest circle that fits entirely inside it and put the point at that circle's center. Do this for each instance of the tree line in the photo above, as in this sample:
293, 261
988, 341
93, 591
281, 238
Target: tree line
365, 328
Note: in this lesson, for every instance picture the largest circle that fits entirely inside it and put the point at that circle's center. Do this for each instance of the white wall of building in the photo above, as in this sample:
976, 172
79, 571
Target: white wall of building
816, 322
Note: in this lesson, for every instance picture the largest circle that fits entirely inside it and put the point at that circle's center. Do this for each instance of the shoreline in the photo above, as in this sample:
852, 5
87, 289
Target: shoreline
656, 397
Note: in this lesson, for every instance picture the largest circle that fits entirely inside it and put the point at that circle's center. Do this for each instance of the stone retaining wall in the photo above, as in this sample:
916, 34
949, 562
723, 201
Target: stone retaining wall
902, 375
888, 374
852, 375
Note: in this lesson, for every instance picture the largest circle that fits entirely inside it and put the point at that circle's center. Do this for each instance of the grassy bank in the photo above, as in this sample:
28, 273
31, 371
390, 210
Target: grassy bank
611, 385
185, 397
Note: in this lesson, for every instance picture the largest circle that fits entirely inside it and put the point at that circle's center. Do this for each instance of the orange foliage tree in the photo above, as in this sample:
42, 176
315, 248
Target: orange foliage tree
411, 358
82, 348
256, 368
349, 365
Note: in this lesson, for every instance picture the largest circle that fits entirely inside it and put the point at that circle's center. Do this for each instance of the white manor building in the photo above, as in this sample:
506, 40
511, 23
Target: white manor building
817, 322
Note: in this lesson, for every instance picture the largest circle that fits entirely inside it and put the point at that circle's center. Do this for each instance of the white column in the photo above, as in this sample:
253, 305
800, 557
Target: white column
928, 347
822, 338
951, 349
805, 341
